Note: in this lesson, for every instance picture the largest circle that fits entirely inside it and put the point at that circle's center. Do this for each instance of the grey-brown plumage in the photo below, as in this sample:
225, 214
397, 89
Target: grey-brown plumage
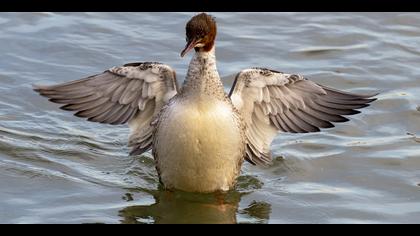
133, 93
273, 101
200, 135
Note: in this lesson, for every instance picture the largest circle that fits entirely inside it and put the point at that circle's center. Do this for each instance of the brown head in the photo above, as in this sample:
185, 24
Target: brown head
201, 33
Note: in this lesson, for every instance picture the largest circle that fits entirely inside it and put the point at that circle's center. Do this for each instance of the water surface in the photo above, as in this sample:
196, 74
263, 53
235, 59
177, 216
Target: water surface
57, 168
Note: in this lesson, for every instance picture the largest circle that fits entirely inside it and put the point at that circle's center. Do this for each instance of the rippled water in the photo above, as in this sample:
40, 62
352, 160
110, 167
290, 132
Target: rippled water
56, 168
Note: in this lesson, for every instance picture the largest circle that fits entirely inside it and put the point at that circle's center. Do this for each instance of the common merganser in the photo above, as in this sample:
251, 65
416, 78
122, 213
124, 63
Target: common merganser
199, 135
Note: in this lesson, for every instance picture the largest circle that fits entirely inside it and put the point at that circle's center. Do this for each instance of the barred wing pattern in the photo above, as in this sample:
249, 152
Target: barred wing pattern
272, 101
133, 93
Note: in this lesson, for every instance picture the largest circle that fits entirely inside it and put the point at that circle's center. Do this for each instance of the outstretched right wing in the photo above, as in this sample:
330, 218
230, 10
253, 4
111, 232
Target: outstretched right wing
132, 93
271, 101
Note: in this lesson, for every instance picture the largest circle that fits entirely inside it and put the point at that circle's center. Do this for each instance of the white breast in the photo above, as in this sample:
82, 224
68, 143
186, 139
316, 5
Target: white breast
199, 145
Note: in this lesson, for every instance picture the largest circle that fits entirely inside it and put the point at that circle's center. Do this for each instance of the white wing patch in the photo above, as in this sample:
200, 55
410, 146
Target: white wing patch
272, 101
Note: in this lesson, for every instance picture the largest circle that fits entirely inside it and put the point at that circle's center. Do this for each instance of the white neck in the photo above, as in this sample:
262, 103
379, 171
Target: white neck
202, 76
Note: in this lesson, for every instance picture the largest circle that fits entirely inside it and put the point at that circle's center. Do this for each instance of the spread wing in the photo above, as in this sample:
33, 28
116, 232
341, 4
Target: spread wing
132, 93
271, 101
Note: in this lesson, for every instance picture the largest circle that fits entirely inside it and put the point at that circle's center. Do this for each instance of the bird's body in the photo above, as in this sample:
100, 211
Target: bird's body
199, 135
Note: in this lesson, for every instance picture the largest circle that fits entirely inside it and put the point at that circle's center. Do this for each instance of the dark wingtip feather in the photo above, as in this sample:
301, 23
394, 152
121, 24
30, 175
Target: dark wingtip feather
347, 94
251, 161
36, 88
92, 119
353, 112
54, 100
138, 151
372, 95
67, 107
330, 126
363, 106
40, 88
316, 129
341, 120
371, 100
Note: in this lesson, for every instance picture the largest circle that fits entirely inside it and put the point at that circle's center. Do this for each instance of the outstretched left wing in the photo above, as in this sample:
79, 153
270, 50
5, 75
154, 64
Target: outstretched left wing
133, 93
272, 101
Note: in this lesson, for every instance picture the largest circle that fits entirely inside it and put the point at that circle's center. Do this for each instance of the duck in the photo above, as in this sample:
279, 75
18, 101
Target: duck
198, 134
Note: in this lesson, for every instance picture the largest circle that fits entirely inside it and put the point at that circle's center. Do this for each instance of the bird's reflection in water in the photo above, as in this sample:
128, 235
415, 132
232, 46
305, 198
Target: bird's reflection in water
175, 207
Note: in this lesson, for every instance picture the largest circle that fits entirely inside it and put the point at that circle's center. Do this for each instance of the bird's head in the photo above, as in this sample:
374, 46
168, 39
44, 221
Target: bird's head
200, 33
